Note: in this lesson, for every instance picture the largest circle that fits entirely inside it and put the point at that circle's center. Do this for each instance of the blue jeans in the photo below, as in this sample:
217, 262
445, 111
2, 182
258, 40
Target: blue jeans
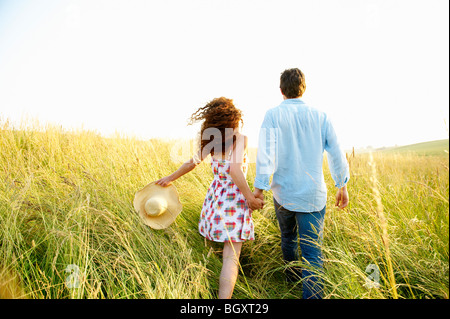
310, 230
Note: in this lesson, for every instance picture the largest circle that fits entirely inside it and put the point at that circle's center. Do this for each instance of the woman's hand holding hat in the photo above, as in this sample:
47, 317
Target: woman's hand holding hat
165, 181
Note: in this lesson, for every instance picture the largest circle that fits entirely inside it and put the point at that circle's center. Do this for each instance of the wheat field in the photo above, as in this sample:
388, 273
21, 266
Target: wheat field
68, 228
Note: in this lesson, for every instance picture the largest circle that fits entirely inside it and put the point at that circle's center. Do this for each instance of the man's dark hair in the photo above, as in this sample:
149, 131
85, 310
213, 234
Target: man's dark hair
292, 83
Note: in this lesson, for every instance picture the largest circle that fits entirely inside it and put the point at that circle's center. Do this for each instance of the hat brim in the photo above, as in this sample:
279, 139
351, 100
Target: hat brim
174, 206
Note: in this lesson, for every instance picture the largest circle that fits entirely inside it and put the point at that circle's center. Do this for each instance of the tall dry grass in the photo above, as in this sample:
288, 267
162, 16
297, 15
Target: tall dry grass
397, 221
66, 213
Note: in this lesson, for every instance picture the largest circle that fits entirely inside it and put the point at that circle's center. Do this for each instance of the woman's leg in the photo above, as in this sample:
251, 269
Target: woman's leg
230, 269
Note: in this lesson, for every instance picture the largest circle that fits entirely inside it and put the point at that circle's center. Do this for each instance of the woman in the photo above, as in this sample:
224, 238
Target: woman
226, 214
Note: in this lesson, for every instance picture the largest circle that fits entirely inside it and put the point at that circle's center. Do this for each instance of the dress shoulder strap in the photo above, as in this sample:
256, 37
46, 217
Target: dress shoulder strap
230, 153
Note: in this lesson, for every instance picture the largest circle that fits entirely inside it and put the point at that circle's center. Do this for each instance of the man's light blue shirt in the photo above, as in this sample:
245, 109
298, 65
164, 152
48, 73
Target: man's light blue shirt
292, 141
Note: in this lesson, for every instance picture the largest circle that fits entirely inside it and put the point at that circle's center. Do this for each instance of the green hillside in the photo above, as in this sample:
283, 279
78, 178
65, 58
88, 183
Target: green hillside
439, 147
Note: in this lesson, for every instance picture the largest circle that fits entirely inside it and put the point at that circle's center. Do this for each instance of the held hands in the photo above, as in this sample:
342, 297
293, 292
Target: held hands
259, 194
258, 201
255, 203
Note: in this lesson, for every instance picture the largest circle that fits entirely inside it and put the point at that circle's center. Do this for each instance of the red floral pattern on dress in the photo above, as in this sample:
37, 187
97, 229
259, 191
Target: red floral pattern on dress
225, 214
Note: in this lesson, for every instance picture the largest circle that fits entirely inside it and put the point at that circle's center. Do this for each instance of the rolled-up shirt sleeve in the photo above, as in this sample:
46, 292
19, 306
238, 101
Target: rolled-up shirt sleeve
266, 155
337, 161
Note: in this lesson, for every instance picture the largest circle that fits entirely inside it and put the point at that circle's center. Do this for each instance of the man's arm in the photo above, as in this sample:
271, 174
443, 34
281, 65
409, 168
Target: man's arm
266, 155
338, 165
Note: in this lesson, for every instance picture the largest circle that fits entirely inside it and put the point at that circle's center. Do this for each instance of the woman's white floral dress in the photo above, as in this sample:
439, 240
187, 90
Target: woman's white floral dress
225, 215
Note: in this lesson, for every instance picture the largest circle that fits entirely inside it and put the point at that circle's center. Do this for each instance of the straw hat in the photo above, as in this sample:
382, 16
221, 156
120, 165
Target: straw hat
158, 206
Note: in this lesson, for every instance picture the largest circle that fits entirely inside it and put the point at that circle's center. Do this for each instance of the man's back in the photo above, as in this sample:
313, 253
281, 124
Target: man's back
292, 141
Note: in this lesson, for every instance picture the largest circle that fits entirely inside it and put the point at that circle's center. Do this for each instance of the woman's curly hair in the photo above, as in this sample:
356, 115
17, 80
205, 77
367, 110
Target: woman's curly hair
219, 115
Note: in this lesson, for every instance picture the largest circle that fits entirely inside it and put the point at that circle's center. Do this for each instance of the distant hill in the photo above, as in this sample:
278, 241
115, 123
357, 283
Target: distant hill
439, 147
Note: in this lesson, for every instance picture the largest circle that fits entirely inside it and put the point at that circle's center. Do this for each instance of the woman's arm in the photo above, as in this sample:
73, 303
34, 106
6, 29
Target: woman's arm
238, 176
184, 169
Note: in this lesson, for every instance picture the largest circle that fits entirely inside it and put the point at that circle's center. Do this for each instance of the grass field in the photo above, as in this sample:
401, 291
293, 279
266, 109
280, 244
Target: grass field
68, 228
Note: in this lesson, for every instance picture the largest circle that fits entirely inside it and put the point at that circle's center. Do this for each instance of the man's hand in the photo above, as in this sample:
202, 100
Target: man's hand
342, 197
259, 193
165, 181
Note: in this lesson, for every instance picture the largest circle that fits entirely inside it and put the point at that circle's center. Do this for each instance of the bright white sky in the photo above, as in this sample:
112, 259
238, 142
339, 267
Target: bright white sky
380, 69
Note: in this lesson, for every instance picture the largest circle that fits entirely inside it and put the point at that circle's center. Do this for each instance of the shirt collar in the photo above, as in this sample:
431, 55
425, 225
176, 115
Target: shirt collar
296, 101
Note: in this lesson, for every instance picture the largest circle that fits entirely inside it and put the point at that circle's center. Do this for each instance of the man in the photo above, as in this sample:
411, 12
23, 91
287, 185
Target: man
292, 141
